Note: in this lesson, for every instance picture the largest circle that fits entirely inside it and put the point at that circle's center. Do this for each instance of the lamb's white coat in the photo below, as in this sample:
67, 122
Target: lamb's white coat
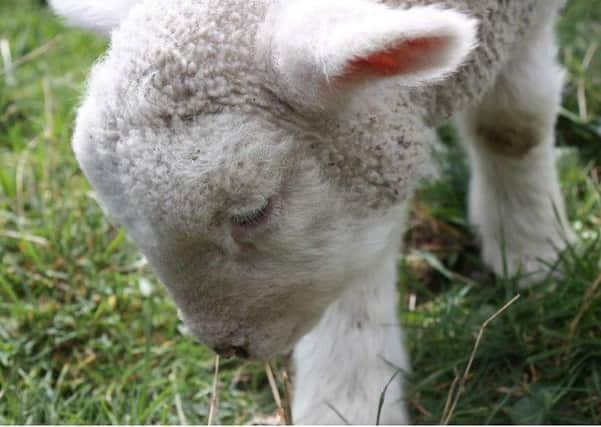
206, 109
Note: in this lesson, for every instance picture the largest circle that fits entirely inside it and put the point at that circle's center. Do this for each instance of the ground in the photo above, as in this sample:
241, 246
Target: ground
88, 335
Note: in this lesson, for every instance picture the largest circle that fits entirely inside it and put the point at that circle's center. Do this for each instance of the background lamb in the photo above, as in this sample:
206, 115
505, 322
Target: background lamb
141, 110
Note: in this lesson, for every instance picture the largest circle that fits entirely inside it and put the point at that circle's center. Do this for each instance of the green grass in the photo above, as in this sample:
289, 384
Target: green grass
88, 335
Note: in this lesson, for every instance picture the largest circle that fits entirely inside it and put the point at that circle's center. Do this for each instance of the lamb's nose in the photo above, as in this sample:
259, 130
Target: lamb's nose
232, 351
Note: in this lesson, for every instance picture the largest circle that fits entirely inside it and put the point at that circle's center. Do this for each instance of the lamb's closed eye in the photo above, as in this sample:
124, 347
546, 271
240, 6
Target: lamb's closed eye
254, 218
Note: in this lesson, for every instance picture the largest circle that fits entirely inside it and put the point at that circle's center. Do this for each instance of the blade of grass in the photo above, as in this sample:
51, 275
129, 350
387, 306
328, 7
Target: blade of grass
214, 404
446, 417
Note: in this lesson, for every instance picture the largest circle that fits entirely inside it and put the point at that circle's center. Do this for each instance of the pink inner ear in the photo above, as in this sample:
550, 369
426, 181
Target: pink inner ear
408, 57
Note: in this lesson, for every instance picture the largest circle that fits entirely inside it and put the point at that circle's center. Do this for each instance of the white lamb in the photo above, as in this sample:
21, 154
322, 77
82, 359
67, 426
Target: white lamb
261, 154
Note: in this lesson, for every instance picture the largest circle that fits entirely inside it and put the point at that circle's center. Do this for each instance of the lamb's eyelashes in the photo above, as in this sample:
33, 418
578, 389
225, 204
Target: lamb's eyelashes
253, 218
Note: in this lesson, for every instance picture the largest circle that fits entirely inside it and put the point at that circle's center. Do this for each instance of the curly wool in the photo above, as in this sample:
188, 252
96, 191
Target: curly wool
172, 62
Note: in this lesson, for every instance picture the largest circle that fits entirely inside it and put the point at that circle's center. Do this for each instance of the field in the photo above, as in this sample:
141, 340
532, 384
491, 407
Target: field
88, 335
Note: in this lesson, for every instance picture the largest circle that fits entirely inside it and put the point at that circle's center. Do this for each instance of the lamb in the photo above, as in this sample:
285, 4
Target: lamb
261, 154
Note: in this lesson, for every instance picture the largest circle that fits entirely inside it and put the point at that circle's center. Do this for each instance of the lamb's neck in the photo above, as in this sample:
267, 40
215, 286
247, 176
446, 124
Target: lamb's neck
354, 351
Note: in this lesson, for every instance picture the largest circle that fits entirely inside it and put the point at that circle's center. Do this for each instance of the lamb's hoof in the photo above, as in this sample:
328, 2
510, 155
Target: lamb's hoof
527, 268
535, 271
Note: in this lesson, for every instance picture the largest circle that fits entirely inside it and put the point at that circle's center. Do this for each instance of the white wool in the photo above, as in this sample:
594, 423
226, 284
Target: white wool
314, 118
100, 16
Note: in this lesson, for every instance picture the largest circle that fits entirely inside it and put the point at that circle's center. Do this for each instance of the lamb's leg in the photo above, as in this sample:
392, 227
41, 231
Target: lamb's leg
515, 198
344, 364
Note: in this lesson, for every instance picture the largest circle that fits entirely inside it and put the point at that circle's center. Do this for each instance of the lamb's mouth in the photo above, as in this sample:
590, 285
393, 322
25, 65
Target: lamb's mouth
233, 351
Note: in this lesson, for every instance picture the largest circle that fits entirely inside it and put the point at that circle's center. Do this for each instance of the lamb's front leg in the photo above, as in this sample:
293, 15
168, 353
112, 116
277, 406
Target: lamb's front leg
515, 197
343, 365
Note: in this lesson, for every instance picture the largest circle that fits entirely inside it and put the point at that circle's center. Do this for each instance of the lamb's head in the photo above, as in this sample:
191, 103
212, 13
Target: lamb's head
258, 151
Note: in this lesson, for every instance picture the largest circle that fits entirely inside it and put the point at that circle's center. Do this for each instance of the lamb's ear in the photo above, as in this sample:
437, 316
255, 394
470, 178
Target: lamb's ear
101, 16
317, 48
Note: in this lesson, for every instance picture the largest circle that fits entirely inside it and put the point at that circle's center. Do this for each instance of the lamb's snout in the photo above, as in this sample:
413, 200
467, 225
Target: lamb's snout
231, 351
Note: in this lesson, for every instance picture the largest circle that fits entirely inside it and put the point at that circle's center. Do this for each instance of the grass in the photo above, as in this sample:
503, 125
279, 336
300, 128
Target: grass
88, 335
